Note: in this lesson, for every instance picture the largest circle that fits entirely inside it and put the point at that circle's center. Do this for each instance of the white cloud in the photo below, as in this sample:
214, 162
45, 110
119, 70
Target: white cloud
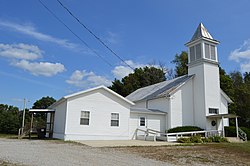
40, 68
242, 55
31, 31
112, 38
245, 67
85, 79
123, 70
20, 51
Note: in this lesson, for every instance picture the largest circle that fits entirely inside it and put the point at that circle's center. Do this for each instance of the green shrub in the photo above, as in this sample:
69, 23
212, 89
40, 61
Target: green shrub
184, 129
223, 139
208, 140
196, 139
230, 131
216, 138
184, 140
199, 139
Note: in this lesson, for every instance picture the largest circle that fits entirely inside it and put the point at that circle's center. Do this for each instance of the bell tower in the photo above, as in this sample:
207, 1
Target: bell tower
203, 63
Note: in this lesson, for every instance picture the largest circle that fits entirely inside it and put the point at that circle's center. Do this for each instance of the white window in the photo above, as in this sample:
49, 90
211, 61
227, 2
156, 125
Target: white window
210, 52
142, 121
192, 54
195, 52
207, 52
114, 119
213, 110
198, 51
84, 120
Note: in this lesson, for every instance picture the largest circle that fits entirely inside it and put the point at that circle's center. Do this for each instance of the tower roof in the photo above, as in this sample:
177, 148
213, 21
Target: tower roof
200, 32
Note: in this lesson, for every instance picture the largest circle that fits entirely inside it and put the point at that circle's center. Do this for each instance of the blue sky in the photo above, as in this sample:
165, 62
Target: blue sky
40, 57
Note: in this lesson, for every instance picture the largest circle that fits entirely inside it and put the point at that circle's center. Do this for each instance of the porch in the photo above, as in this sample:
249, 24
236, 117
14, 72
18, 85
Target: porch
240, 134
45, 130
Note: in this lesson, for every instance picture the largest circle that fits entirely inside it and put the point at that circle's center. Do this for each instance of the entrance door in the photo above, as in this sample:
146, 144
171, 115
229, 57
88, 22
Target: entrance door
214, 124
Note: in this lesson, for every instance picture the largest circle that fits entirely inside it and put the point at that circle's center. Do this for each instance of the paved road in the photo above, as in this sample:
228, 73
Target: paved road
39, 152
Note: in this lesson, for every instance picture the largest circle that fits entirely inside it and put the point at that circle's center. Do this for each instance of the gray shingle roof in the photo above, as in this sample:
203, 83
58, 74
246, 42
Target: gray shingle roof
158, 90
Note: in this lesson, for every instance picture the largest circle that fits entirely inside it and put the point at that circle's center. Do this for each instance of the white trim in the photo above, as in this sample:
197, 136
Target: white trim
41, 110
226, 96
89, 90
100, 87
153, 113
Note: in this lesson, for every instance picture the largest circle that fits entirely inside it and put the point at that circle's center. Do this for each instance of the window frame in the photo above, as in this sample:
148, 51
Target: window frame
117, 119
211, 52
140, 121
85, 118
213, 110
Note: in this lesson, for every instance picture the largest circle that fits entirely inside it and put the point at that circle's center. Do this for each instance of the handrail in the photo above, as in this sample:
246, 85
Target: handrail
167, 135
242, 134
23, 133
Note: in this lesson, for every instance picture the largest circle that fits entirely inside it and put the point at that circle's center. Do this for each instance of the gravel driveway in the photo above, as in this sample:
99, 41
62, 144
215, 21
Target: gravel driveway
40, 152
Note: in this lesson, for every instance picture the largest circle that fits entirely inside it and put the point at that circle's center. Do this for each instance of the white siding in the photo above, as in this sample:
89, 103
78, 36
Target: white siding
161, 104
224, 109
140, 104
182, 106
212, 87
155, 122
60, 120
223, 105
101, 104
198, 95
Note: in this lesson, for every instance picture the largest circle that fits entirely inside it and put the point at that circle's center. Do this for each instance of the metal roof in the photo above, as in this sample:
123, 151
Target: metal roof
148, 111
158, 90
222, 115
200, 32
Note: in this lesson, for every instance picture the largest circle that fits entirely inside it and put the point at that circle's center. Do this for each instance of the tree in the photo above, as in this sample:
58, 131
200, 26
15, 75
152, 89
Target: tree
241, 97
9, 119
43, 103
140, 78
181, 62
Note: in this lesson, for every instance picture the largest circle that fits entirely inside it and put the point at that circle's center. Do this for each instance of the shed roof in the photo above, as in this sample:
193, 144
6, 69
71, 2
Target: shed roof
158, 90
147, 111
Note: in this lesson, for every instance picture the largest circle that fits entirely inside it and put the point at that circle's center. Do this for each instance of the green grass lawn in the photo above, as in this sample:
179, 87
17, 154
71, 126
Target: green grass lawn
237, 147
8, 135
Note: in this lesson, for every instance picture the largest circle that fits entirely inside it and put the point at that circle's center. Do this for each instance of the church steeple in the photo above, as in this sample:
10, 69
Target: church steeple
202, 47
203, 64
200, 32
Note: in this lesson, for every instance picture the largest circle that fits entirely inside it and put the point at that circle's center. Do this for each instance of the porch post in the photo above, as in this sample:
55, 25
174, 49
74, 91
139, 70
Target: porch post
237, 129
31, 124
223, 130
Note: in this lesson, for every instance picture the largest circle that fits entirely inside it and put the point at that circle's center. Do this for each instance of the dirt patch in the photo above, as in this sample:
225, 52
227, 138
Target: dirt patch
193, 155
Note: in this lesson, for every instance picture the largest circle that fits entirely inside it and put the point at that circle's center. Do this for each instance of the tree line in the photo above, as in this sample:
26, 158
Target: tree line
11, 116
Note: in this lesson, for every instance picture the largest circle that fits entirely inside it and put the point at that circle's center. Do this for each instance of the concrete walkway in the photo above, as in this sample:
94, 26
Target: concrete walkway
116, 143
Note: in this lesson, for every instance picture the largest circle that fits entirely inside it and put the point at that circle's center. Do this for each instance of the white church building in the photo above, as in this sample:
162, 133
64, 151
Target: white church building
195, 99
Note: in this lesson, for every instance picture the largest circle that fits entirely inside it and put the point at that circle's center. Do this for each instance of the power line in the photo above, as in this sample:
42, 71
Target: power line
93, 34
58, 19
98, 38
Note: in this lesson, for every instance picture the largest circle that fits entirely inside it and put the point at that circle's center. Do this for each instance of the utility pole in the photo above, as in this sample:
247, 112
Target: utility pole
24, 108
